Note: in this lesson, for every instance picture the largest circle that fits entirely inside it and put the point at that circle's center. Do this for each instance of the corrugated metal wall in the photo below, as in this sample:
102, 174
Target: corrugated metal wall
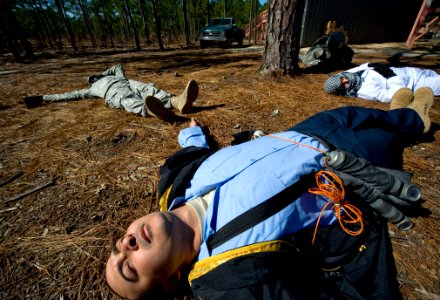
367, 21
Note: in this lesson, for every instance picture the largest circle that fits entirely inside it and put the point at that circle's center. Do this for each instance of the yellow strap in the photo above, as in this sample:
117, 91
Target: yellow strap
164, 199
202, 267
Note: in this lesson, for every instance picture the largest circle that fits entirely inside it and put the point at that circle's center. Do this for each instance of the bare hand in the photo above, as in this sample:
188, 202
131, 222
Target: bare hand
194, 122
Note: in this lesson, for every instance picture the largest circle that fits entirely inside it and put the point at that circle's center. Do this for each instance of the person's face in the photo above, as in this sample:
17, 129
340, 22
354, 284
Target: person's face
146, 256
345, 82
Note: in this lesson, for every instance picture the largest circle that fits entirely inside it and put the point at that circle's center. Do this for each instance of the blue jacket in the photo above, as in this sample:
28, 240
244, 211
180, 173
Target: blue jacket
245, 175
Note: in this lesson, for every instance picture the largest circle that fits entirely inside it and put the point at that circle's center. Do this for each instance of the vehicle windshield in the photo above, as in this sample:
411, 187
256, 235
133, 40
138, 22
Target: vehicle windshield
219, 22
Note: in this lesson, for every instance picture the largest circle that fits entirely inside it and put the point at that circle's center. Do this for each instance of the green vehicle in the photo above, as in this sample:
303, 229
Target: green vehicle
221, 31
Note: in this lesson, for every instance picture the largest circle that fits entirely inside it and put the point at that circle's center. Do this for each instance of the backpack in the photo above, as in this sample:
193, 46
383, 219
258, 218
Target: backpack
329, 51
337, 266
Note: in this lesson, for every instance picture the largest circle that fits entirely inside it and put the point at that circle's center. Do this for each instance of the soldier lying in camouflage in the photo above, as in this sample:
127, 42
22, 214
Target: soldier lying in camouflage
136, 97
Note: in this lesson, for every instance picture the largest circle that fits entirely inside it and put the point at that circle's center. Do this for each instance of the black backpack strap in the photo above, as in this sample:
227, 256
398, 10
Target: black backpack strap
260, 212
178, 170
383, 70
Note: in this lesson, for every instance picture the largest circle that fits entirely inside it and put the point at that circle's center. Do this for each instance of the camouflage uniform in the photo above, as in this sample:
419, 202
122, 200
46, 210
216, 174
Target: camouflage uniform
118, 92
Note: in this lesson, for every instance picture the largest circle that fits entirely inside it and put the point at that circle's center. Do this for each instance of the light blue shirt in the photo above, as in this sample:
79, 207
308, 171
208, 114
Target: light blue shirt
247, 174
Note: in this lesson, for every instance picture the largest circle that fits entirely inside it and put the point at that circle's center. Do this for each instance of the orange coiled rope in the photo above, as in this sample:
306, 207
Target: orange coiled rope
330, 186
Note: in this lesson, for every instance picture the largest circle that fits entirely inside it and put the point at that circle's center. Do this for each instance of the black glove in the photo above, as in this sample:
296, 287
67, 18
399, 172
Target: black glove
385, 190
33, 101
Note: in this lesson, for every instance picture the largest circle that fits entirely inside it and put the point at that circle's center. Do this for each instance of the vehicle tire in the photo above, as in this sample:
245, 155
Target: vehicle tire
203, 44
240, 43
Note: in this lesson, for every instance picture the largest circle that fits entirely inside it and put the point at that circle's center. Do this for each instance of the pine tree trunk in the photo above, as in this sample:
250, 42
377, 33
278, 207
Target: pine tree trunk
224, 8
124, 24
100, 23
133, 26
111, 33
185, 23
255, 21
42, 27
89, 26
280, 56
52, 26
11, 31
60, 6
158, 25
251, 20
144, 20
82, 23
195, 24
45, 23
208, 9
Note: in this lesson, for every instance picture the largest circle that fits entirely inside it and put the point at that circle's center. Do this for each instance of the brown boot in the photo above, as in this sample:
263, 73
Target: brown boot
155, 108
423, 100
402, 98
184, 101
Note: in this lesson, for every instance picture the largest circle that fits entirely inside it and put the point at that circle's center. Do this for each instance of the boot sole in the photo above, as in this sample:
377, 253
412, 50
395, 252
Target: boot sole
155, 106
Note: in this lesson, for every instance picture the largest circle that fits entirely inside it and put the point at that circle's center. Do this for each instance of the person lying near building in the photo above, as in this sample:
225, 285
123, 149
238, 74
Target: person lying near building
329, 52
134, 96
240, 222
374, 81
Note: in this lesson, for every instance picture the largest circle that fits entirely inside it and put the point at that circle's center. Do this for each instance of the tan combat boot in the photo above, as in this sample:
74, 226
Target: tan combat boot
154, 107
184, 101
402, 98
423, 100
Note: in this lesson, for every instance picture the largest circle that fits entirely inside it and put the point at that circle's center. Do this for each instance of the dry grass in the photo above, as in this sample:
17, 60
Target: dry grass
54, 243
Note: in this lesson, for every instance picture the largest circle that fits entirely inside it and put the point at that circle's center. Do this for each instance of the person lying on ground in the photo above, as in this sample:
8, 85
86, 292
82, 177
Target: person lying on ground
199, 200
134, 96
374, 81
329, 52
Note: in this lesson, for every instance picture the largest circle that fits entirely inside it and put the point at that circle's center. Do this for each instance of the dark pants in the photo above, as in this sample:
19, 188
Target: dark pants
376, 135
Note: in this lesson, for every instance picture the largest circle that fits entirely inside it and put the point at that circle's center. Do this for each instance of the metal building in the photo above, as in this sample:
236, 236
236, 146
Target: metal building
366, 21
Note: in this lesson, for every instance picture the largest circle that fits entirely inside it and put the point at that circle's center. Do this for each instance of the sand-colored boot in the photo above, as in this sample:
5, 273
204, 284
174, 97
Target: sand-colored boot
154, 107
184, 101
402, 98
423, 100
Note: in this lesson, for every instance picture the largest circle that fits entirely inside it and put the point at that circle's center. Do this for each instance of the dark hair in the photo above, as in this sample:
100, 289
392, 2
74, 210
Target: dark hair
94, 78
183, 291
156, 292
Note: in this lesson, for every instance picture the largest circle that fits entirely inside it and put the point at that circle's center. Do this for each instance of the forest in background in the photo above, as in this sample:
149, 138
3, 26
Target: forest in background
80, 25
